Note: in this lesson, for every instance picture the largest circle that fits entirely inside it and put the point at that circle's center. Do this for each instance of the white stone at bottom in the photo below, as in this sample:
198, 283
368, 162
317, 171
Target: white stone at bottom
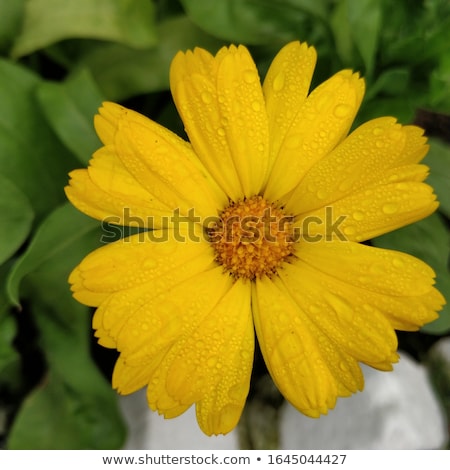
148, 430
397, 410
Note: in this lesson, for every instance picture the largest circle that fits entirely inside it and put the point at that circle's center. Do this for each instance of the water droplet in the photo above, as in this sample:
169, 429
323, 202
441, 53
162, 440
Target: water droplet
343, 366
398, 263
390, 208
321, 194
211, 361
250, 76
221, 131
314, 309
358, 215
278, 82
206, 97
323, 101
377, 131
379, 144
350, 230
256, 106
342, 110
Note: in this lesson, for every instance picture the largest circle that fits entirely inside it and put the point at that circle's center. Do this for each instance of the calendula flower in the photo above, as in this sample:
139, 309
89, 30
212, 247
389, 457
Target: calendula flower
254, 225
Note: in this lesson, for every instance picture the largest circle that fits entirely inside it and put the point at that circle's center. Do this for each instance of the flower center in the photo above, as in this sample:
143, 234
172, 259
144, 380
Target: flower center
252, 238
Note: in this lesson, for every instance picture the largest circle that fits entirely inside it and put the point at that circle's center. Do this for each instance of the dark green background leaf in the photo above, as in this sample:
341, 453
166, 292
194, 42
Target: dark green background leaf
122, 72
30, 155
54, 243
255, 22
438, 159
16, 216
70, 107
48, 21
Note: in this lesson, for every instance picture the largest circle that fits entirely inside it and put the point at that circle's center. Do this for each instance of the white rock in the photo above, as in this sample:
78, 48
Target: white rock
148, 430
397, 410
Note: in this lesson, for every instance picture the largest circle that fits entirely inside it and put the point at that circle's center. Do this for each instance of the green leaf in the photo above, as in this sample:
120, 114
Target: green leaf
30, 154
57, 416
122, 72
11, 15
255, 22
440, 86
438, 159
16, 216
392, 82
428, 240
70, 108
46, 22
10, 361
365, 24
76, 408
60, 240
343, 40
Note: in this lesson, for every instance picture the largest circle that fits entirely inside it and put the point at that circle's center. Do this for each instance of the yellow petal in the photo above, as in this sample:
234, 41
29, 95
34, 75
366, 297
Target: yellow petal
106, 121
309, 369
374, 269
213, 365
165, 165
368, 155
343, 313
147, 257
108, 192
323, 120
221, 103
371, 212
285, 87
154, 328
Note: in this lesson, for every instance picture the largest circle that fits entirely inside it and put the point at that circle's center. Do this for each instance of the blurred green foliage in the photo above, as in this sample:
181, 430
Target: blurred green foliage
60, 59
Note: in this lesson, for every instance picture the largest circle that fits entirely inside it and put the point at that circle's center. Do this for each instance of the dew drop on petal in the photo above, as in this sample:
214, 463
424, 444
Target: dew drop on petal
256, 106
321, 194
358, 215
206, 97
341, 110
249, 76
278, 82
390, 208
377, 131
221, 131
245, 355
349, 230
398, 263
211, 361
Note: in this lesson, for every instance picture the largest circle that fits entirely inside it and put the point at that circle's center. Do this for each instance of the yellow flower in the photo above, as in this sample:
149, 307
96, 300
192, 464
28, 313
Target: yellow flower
254, 224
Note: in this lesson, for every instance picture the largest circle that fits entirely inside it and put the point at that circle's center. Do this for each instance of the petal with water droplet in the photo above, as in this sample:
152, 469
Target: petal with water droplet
308, 368
385, 207
229, 131
285, 88
107, 191
317, 128
166, 165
